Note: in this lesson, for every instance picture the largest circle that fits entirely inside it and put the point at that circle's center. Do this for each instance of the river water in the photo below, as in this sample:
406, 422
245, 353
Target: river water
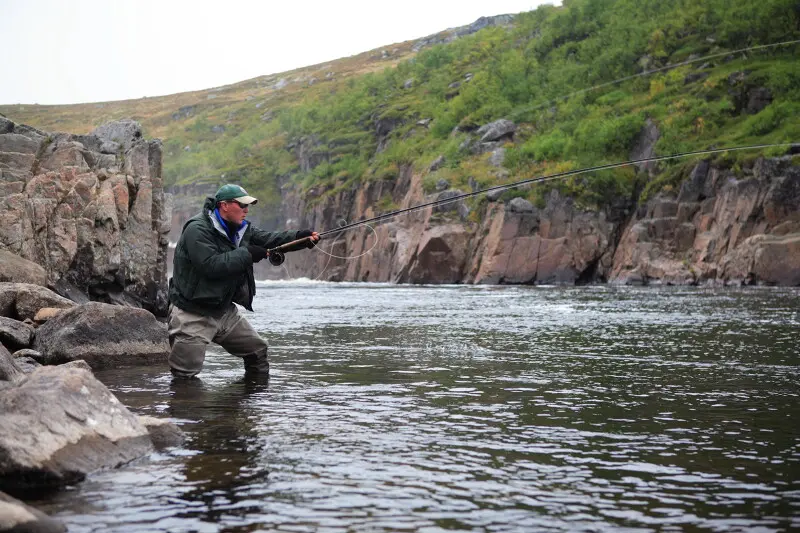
463, 408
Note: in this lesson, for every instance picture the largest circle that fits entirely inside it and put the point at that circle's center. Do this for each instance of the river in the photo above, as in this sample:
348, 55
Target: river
475, 408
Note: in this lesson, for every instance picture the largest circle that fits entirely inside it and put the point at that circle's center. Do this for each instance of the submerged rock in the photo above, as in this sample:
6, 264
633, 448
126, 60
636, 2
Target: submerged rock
163, 433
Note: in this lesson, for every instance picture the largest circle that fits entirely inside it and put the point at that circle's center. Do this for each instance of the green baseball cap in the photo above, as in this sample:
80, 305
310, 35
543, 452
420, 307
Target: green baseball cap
231, 192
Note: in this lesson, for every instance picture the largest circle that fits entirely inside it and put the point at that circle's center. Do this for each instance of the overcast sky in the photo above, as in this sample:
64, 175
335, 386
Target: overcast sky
62, 52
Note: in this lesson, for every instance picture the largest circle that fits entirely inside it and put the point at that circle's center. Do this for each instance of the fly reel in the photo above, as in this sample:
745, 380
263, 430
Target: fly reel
276, 258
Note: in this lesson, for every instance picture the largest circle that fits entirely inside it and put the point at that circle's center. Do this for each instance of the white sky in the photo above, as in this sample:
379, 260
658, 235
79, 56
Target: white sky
72, 51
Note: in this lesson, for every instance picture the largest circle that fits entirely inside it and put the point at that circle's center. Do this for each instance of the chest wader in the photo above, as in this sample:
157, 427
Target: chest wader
190, 335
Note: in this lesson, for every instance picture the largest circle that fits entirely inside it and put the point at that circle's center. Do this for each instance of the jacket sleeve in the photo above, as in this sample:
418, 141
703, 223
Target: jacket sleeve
206, 259
271, 239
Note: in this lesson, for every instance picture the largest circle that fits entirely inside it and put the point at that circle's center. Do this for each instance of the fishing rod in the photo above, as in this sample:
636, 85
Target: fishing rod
277, 254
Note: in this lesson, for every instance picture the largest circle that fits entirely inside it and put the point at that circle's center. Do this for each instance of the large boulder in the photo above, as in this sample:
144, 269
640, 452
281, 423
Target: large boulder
61, 423
17, 517
103, 335
89, 209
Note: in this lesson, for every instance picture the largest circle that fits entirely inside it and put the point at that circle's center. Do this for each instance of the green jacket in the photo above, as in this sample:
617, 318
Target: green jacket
209, 271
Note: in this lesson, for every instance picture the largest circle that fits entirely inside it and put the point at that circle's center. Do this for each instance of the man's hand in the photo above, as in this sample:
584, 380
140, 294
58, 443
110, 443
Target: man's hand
303, 233
257, 252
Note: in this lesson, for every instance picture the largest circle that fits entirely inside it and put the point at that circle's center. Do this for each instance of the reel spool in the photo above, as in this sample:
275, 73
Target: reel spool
276, 258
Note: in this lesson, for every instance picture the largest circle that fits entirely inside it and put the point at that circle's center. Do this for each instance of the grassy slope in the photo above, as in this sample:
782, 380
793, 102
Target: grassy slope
524, 73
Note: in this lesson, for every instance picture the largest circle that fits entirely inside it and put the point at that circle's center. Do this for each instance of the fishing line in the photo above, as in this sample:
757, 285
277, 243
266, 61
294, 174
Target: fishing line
550, 177
351, 257
652, 71
333, 245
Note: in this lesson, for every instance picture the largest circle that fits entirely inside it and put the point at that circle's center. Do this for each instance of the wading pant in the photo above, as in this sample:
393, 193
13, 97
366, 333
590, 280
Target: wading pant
190, 334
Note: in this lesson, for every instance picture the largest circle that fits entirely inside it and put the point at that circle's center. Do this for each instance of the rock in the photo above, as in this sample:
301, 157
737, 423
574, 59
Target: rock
218, 128
409, 83
14, 334
758, 99
9, 369
436, 164
520, 205
497, 130
442, 184
124, 132
25, 300
60, 424
498, 157
46, 313
15, 269
163, 433
692, 190
103, 335
645, 146
776, 259
495, 194
183, 112
18, 517
448, 206
26, 364
440, 255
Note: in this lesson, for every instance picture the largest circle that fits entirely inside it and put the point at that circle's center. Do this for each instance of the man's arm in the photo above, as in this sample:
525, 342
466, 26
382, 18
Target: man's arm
271, 239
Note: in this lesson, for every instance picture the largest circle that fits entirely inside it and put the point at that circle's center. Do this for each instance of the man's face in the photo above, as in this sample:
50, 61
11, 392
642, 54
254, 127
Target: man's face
233, 211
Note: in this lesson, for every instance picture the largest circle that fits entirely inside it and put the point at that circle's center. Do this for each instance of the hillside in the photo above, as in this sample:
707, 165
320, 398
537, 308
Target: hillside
302, 139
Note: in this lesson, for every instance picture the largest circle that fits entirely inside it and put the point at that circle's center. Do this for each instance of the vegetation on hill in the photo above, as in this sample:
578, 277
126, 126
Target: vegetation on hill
365, 117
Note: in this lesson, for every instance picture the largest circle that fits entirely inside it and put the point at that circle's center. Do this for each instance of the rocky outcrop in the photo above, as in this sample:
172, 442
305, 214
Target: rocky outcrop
719, 227
90, 209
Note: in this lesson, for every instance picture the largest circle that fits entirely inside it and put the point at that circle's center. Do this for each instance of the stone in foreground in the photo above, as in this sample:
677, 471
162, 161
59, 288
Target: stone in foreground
60, 424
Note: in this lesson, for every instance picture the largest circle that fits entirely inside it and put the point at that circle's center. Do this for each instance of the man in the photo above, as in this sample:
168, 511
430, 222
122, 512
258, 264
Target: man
213, 269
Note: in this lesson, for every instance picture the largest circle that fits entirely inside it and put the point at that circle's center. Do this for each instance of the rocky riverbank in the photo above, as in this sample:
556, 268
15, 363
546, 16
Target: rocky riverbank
59, 422
85, 216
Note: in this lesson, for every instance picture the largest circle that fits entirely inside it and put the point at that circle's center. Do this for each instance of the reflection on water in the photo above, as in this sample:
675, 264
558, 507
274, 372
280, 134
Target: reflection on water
397, 408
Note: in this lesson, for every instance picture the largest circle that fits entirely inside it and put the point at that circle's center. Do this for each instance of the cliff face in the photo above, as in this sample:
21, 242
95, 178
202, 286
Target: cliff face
717, 228
89, 209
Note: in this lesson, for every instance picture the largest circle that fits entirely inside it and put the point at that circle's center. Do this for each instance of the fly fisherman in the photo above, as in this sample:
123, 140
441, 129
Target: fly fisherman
212, 270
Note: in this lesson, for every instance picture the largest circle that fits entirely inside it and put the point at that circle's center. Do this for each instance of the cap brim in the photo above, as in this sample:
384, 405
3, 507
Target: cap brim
247, 200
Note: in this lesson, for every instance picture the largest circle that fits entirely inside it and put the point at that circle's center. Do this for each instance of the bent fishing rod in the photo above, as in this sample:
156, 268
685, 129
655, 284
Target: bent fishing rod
277, 255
